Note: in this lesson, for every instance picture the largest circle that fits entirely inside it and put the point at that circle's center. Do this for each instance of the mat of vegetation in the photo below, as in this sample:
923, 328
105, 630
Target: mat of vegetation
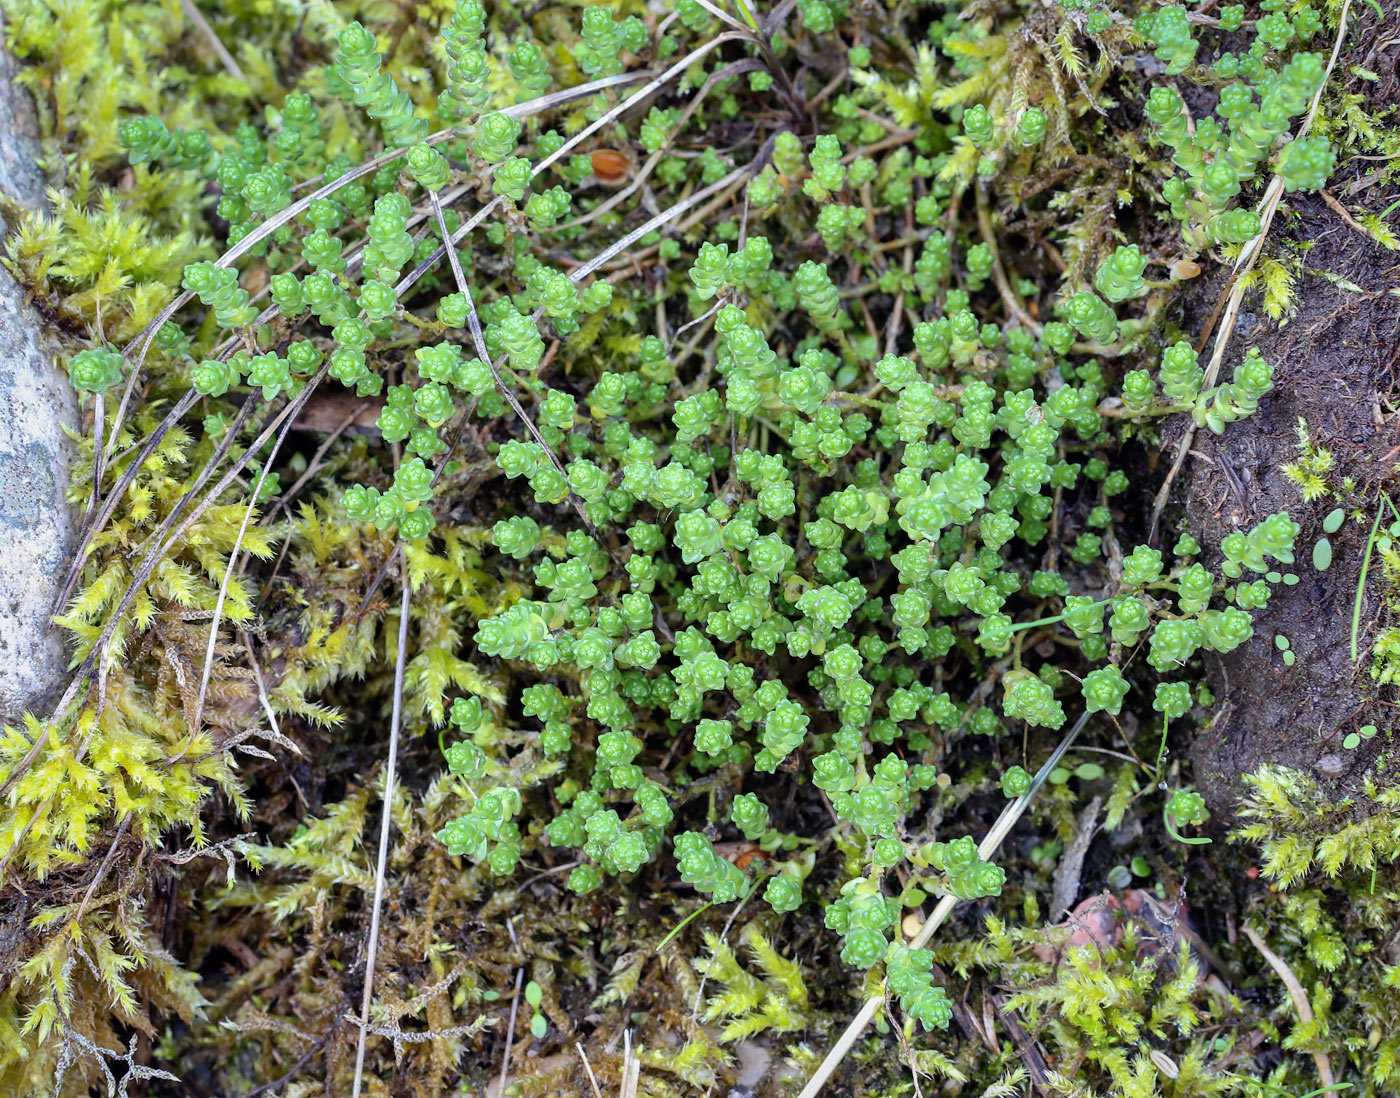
702, 548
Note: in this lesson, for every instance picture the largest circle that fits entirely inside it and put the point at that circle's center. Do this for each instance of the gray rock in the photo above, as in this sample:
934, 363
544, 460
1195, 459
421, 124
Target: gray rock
20, 176
38, 530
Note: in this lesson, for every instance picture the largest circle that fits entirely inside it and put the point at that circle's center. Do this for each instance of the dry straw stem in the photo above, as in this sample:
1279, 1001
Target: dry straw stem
631, 1069
735, 68
263, 699
986, 851
722, 15
390, 771
220, 50
592, 1079
143, 573
269, 226
1249, 254
479, 342
510, 1028
1008, 295
98, 415
1299, 997
737, 175
228, 577
636, 97
144, 339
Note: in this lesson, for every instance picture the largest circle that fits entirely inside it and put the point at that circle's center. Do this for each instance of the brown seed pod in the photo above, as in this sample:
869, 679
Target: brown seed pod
610, 166
741, 853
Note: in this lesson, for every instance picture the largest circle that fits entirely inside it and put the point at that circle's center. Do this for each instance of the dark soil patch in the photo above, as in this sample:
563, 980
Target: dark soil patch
1335, 366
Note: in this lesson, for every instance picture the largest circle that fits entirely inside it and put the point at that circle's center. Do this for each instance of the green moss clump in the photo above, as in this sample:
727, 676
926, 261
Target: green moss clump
760, 469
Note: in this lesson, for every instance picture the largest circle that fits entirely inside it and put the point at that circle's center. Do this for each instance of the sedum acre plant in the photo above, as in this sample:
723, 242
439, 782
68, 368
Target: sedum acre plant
675, 601
759, 510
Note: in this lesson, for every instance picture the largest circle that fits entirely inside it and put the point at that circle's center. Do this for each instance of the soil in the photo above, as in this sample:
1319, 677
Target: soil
1335, 365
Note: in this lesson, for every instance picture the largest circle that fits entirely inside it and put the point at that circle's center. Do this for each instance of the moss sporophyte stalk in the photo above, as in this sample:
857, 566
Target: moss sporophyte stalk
767, 514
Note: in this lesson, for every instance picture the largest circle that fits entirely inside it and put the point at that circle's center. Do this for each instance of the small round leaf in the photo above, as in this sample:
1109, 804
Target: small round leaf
1322, 555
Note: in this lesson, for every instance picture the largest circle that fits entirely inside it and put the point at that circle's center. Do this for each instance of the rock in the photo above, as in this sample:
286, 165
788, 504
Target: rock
38, 530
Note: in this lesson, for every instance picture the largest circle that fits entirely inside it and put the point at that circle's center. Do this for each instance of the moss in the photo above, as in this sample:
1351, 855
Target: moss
776, 1003
1309, 471
1333, 914
197, 861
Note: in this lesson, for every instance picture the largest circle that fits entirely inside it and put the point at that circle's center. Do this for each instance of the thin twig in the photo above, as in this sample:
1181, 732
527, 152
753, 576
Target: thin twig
671, 213
1299, 997
723, 934
722, 15
389, 773
592, 1079
261, 685
735, 68
1249, 254
510, 1033
1345, 215
220, 50
1003, 284
105, 867
228, 578
636, 97
479, 342
1005, 822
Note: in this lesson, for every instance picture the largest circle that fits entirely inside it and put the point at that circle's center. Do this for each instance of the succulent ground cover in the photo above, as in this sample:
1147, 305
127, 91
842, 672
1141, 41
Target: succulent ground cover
621, 538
